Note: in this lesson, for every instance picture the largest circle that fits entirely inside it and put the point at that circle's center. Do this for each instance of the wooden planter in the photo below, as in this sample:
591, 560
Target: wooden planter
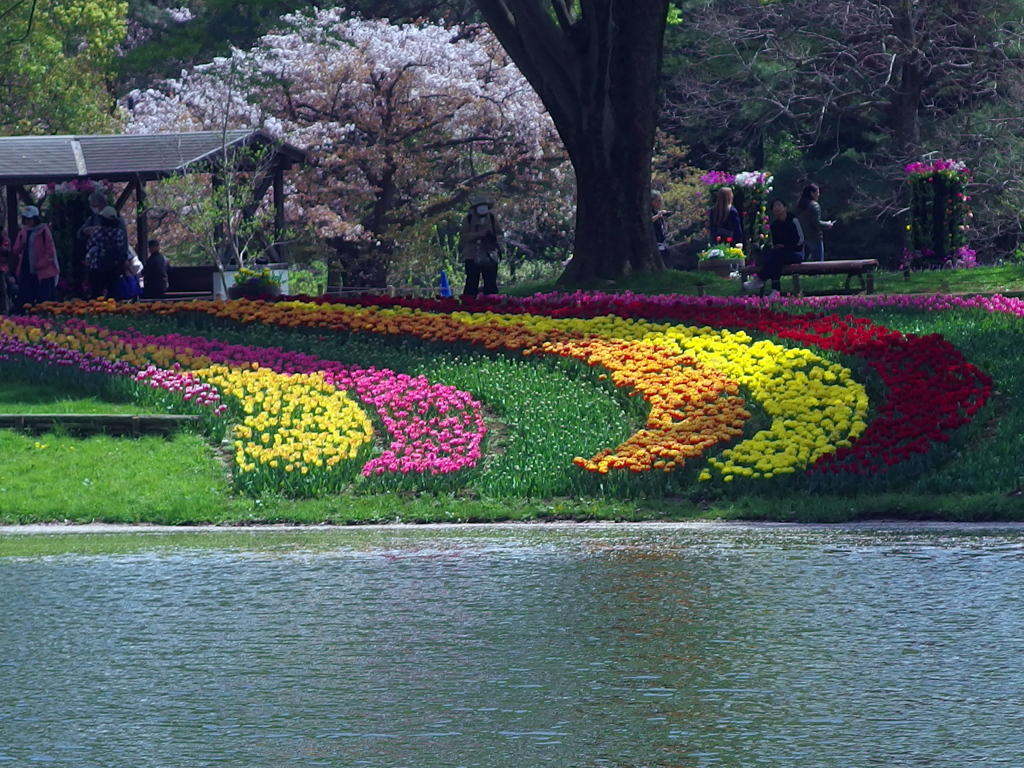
247, 291
720, 267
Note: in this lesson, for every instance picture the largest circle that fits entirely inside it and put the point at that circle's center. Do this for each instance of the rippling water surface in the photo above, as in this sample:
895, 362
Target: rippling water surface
691, 645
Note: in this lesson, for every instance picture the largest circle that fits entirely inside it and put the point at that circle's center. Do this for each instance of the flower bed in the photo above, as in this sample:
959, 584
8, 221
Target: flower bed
738, 395
297, 431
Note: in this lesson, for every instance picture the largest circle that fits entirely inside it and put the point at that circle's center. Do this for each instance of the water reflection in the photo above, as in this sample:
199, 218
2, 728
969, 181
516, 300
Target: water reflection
517, 646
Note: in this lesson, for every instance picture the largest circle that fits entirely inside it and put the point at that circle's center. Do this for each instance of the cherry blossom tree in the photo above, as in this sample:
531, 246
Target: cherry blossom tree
404, 123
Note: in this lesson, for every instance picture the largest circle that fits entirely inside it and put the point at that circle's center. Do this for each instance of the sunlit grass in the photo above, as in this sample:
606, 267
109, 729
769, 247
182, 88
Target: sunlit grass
1001, 279
20, 397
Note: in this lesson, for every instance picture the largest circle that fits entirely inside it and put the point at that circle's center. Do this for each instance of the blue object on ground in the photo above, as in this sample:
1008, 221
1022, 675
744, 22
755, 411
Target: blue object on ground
446, 289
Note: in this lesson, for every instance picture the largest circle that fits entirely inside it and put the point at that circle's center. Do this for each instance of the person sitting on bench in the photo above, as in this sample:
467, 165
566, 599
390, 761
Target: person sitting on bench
787, 248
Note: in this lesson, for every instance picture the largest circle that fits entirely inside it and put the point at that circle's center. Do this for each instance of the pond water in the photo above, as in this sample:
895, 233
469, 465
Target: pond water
515, 646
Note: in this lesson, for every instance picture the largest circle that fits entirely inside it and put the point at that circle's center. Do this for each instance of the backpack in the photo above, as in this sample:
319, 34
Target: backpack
488, 250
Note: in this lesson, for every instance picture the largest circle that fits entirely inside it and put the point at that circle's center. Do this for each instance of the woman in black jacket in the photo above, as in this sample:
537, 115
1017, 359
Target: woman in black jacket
787, 248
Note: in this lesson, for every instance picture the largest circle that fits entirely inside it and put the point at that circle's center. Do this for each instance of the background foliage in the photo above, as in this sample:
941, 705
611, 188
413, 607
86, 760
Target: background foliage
844, 95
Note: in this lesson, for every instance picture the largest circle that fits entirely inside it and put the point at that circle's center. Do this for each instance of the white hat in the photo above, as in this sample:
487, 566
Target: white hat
110, 212
30, 212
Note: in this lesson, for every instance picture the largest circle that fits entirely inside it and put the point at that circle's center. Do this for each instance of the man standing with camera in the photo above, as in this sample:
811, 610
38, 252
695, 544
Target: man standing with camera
481, 247
658, 214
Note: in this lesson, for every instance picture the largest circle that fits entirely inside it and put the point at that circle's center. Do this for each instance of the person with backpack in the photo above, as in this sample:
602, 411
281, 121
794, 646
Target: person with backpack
36, 267
481, 247
107, 254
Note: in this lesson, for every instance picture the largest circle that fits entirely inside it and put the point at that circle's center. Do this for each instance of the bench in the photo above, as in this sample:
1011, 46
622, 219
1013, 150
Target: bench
187, 283
862, 269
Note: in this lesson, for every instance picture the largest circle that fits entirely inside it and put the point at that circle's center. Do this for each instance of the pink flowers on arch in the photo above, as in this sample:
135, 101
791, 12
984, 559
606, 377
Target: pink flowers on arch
956, 167
714, 178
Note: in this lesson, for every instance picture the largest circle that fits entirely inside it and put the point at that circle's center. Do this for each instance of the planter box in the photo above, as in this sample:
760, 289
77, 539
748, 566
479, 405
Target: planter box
720, 267
246, 291
221, 286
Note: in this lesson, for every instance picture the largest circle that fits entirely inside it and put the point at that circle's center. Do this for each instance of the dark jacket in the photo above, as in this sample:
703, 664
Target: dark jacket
810, 222
480, 234
103, 243
154, 276
722, 231
787, 234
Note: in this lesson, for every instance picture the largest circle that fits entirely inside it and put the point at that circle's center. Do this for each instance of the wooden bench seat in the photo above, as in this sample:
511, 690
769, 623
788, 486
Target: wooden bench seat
862, 269
188, 283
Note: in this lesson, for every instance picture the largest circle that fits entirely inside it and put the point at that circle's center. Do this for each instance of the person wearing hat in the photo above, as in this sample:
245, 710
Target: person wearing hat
36, 269
106, 252
481, 247
97, 202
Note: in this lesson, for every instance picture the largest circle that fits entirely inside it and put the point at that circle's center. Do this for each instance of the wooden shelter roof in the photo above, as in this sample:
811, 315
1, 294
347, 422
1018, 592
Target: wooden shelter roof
124, 157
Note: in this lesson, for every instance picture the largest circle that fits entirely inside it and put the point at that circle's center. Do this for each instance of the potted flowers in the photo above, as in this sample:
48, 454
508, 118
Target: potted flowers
723, 260
251, 284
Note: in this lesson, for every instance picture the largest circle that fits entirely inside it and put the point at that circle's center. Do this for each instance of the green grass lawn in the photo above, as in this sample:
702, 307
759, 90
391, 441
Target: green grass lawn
20, 397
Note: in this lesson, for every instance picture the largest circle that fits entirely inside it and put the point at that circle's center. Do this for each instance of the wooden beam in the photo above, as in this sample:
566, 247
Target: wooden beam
12, 211
257, 195
141, 222
125, 195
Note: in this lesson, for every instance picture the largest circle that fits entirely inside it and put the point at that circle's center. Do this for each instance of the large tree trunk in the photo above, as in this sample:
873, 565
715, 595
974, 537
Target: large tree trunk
905, 102
611, 239
597, 74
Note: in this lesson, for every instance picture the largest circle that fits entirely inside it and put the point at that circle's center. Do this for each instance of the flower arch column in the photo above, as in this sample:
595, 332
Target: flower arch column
939, 213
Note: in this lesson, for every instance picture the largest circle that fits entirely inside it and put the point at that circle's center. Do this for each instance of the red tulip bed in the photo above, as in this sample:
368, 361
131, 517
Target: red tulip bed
555, 395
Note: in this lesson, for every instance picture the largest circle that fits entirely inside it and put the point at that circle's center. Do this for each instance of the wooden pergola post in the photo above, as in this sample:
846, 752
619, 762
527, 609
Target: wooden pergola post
141, 222
12, 211
280, 247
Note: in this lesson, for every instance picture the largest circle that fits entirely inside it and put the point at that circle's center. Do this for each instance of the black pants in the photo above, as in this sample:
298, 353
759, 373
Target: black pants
772, 262
103, 282
32, 290
473, 274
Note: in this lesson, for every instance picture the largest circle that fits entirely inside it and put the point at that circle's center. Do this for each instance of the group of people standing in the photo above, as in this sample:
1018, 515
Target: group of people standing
31, 269
794, 238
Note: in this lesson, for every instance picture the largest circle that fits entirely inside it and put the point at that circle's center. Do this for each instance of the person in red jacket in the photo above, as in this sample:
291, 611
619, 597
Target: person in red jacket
36, 268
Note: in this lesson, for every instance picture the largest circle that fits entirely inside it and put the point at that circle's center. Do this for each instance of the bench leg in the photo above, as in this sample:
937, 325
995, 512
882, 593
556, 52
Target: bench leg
860, 279
796, 285
870, 278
